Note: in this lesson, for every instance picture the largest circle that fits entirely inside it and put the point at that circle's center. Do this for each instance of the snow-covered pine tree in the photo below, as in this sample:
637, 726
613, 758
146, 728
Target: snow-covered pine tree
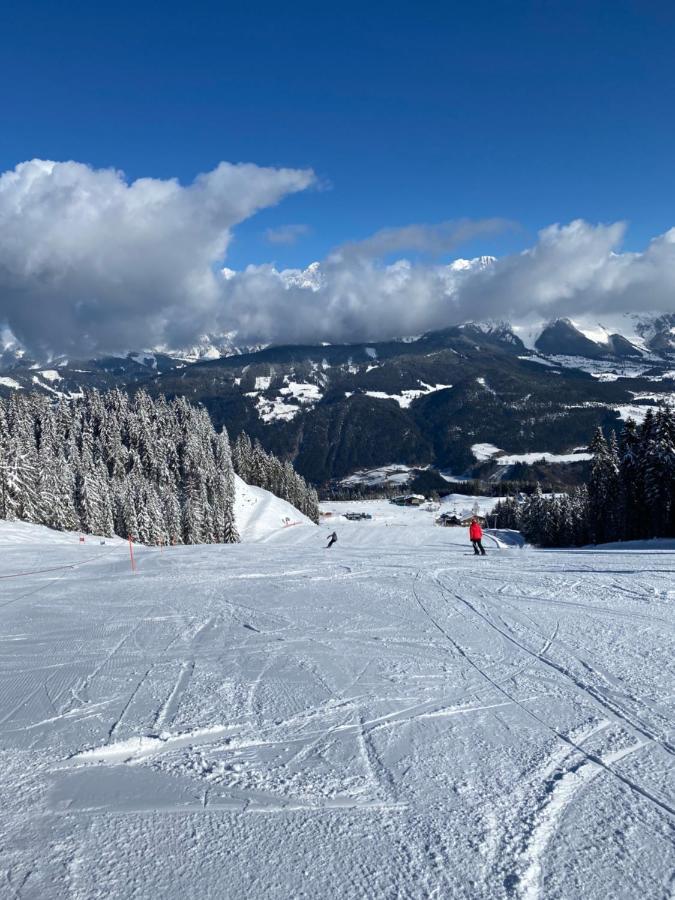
579, 515
507, 512
631, 473
604, 490
172, 517
225, 525
658, 463
19, 476
126, 523
152, 468
534, 517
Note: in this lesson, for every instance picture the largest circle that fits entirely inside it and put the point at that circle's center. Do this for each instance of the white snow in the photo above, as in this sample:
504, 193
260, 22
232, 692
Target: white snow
483, 452
146, 359
538, 359
5, 381
650, 544
392, 474
50, 375
304, 394
467, 265
405, 398
259, 514
629, 411
466, 505
483, 383
606, 370
52, 390
388, 718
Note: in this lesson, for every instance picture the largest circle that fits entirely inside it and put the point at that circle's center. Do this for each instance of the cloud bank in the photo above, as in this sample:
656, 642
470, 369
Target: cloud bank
92, 263
574, 270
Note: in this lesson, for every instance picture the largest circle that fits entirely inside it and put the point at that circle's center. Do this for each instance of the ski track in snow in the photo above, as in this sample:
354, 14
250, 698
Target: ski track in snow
391, 719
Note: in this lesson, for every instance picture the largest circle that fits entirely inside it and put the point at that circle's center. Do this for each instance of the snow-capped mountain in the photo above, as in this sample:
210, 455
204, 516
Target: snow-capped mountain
210, 347
562, 338
310, 278
424, 401
495, 328
644, 336
658, 331
472, 265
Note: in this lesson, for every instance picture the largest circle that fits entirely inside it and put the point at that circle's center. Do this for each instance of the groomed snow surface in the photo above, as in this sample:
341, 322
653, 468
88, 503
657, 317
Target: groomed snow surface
390, 718
259, 514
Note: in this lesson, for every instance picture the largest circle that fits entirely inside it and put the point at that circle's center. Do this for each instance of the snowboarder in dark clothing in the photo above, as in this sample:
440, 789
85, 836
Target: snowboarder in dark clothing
331, 540
476, 536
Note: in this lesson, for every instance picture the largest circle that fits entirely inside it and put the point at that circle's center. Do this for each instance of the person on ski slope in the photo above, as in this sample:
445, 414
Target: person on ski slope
331, 540
476, 537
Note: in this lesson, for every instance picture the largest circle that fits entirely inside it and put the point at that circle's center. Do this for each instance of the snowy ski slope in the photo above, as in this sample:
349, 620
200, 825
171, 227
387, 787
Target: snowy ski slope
390, 718
259, 514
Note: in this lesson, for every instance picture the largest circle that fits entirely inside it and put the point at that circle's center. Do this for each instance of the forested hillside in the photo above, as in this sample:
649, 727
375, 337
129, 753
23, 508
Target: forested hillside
152, 469
337, 409
630, 493
333, 410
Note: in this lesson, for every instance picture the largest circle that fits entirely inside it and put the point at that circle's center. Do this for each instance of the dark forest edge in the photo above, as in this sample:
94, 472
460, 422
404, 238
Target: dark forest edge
630, 493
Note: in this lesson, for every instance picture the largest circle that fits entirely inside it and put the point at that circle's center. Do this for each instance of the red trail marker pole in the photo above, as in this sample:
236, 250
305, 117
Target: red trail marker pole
131, 554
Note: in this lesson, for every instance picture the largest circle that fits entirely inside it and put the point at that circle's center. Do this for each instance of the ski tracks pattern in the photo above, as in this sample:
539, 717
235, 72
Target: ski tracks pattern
431, 736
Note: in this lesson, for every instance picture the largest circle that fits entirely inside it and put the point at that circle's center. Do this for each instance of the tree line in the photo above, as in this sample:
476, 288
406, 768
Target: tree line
258, 467
630, 493
150, 468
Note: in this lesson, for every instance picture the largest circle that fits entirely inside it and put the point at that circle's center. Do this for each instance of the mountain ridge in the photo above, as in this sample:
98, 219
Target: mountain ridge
334, 409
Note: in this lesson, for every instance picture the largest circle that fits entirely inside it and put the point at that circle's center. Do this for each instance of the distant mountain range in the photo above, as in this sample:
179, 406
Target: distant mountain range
653, 335
422, 402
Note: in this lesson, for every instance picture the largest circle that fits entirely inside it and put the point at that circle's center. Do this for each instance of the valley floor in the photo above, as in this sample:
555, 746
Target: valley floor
388, 718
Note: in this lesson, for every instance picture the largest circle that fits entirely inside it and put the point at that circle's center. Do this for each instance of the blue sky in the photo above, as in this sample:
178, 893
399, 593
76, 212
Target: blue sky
372, 128
537, 112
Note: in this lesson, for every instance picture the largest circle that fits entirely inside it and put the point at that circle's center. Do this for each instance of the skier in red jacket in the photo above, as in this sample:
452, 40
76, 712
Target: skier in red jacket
476, 536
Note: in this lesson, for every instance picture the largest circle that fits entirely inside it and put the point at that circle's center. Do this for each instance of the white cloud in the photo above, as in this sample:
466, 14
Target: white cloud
91, 262
286, 234
574, 270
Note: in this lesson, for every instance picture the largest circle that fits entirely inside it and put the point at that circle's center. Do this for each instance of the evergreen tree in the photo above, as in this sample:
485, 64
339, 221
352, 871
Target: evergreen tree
658, 462
604, 490
152, 469
631, 474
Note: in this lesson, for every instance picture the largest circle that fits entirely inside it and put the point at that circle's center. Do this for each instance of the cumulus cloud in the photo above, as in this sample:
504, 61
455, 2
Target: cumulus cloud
286, 234
91, 262
575, 270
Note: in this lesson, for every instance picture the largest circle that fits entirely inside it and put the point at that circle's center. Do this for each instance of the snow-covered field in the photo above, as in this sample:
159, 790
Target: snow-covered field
483, 452
391, 718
